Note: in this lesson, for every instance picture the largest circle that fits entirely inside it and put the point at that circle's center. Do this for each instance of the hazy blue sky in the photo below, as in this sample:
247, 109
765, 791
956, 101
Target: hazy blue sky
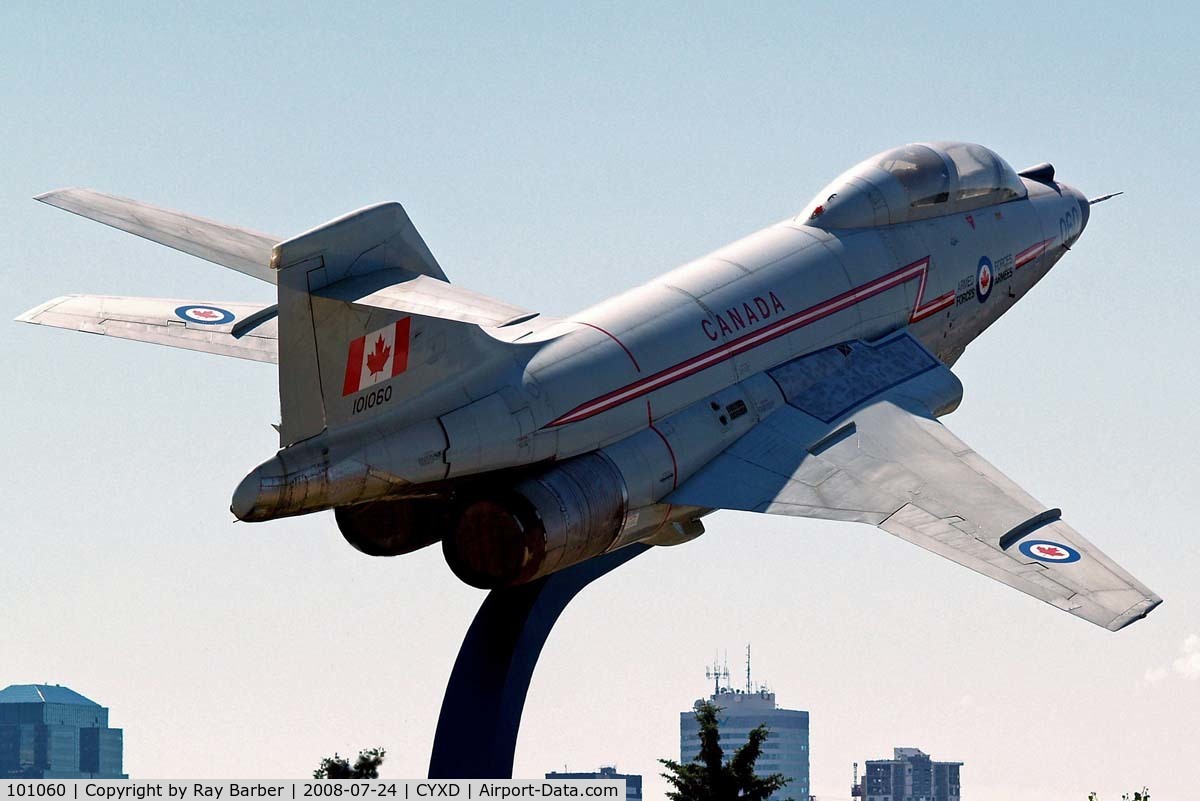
552, 155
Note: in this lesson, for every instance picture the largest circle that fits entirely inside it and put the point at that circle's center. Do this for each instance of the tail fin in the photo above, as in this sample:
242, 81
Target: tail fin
369, 324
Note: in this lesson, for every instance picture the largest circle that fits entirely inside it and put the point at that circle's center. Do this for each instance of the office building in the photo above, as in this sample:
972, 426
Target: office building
910, 775
786, 748
52, 732
633, 782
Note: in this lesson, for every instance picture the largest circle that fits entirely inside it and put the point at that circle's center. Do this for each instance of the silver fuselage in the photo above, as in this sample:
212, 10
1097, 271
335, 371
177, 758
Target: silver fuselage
642, 367
782, 292
799, 371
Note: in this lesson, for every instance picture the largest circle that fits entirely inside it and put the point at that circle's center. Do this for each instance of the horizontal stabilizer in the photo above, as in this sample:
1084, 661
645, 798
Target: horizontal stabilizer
239, 249
421, 294
188, 324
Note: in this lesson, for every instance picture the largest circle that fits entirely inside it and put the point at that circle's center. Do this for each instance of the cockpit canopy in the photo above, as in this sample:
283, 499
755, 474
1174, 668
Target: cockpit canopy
914, 182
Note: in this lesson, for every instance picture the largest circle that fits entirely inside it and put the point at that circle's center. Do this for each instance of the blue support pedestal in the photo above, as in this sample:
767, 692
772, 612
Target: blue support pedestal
481, 711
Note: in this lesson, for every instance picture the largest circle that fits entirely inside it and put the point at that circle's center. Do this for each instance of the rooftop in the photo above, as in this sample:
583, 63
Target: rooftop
42, 694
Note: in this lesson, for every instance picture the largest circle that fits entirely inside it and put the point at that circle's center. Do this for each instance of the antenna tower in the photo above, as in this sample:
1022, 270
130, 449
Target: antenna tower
716, 673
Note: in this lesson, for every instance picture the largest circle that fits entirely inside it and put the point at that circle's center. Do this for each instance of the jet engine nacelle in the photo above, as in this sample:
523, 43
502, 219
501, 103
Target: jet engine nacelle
565, 515
392, 528
601, 501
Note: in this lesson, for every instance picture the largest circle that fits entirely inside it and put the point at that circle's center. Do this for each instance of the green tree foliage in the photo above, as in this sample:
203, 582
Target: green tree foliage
1137, 795
710, 778
365, 767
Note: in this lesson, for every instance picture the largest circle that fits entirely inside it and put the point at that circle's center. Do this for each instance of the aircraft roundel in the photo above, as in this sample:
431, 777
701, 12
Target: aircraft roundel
1047, 551
206, 315
985, 276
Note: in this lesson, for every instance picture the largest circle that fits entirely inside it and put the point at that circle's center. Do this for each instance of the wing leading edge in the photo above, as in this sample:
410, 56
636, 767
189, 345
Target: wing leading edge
859, 440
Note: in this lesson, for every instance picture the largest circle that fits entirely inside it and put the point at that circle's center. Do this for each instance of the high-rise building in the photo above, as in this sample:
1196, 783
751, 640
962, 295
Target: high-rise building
786, 748
633, 781
911, 775
51, 732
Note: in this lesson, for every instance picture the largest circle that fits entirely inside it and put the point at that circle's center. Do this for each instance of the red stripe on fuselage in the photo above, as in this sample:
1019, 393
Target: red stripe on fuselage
1030, 253
628, 352
670, 450
746, 342
920, 312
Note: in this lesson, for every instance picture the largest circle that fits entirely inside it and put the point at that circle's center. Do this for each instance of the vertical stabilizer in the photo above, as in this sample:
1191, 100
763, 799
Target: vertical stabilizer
342, 361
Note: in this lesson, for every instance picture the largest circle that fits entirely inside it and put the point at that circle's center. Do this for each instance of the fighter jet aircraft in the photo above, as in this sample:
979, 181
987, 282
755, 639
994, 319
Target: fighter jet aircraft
798, 371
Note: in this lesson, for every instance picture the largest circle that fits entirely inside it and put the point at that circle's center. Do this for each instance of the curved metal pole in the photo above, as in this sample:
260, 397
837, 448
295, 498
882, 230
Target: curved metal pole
481, 711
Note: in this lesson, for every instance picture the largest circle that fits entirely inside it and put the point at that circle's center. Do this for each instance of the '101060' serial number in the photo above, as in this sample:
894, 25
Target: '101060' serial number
39, 790
372, 399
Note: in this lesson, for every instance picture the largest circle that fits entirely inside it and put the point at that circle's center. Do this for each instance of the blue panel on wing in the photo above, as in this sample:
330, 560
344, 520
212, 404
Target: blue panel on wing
828, 383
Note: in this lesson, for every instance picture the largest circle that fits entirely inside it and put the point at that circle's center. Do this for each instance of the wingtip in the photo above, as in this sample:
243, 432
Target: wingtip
31, 315
1135, 613
45, 197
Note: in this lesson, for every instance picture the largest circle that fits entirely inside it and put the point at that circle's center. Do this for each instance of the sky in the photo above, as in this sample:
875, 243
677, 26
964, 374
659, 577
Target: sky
551, 155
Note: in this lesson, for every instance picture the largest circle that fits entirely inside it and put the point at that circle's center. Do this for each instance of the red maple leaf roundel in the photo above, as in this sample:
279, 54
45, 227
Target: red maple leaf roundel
378, 358
1051, 551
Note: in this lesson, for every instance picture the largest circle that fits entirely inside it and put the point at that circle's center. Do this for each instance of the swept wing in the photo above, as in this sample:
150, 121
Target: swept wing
859, 440
415, 285
188, 324
239, 249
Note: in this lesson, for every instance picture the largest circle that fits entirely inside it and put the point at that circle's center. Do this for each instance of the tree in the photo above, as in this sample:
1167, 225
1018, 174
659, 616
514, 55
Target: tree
365, 767
710, 778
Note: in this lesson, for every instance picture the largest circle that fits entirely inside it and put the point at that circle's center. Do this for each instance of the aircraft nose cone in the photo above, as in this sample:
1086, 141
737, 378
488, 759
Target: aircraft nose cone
1074, 213
1085, 210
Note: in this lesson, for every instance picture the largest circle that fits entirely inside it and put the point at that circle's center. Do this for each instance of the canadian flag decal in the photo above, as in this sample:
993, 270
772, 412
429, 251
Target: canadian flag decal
377, 356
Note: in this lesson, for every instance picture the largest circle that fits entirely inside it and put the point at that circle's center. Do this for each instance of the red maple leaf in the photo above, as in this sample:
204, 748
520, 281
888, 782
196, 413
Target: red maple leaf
1050, 550
378, 358
985, 279
205, 313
